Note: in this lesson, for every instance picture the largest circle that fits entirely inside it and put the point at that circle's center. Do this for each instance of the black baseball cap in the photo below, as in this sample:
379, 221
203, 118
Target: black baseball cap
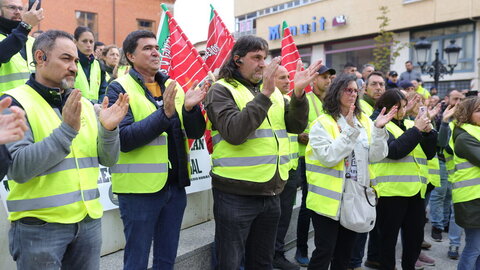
392, 73
324, 69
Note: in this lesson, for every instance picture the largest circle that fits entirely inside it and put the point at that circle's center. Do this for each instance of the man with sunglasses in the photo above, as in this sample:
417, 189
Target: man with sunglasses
15, 45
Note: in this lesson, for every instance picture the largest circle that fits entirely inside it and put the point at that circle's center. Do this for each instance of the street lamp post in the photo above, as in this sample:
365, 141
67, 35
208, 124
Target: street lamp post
436, 69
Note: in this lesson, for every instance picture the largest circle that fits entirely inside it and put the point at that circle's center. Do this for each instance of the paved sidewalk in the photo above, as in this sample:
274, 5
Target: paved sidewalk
438, 251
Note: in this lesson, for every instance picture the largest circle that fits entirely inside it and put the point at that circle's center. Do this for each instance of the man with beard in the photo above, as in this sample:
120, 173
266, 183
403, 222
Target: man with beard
54, 199
249, 121
15, 44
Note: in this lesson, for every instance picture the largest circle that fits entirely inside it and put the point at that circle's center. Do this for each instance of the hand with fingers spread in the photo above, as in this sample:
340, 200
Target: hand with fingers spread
411, 103
194, 96
350, 116
434, 111
169, 99
269, 76
72, 109
383, 119
111, 116
304, 77
13, 125
33, 16
448, 113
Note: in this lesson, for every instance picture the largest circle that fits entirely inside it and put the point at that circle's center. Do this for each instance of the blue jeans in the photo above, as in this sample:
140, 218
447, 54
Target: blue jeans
454, 231
158, 217
38, 245
305, 214
359, 248
470, 258
440, 200
245, 227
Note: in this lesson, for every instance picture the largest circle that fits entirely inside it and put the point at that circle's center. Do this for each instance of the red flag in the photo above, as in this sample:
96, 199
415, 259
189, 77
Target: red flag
179, 59
219, 43
290, 55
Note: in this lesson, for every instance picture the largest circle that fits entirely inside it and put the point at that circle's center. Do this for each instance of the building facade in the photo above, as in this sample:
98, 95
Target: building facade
110, 20
342, 31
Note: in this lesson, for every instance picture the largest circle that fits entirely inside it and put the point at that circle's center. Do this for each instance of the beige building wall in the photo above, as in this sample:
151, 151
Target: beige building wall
361, 16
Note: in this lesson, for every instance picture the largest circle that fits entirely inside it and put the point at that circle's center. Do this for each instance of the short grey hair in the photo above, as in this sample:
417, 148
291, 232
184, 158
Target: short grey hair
45, 41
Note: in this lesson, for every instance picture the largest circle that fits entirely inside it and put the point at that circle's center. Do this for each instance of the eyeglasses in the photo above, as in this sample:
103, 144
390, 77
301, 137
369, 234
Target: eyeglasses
13, 8
350, 91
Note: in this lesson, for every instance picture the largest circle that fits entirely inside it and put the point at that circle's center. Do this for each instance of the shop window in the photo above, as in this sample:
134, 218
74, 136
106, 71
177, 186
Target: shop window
464, 36
89, 20
146, 25
357, 52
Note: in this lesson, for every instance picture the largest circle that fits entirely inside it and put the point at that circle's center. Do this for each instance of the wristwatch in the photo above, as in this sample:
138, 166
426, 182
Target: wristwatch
26, 25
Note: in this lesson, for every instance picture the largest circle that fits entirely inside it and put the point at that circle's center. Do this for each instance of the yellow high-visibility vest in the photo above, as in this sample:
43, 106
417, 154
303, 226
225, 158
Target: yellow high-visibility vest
67, 192
325, 184
268, 148
90, 90
404, 177
315, 109
17, 71
466, 179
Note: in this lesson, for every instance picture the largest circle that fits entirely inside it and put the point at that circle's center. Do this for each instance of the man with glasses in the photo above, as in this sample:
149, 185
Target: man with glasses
15, 44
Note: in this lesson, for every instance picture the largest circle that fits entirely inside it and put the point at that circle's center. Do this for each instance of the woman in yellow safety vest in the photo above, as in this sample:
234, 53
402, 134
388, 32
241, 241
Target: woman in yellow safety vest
90, 78
466, 179
343, 142
401, 182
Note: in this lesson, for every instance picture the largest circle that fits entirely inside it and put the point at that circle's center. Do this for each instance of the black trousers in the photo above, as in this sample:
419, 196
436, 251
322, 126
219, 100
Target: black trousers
287, 199
333, 244
393, 214
245, 227
304, 216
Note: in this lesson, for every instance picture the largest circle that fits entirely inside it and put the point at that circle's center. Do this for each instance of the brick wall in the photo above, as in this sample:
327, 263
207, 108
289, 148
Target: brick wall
60, 14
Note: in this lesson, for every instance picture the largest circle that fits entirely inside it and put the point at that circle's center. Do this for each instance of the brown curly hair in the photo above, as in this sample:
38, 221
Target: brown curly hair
465, 109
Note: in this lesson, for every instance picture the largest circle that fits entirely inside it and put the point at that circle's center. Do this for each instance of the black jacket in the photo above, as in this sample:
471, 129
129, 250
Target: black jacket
86, 62
137, 134
14, 42
5, 161
403, 145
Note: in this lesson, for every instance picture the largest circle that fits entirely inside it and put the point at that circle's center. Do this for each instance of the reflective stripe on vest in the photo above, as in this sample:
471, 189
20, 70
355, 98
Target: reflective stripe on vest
326, 183
315, 106
145, 169
404, 177
434, 171
17, 70
90, 87
264, 152
465, 180
68, 191
53, 201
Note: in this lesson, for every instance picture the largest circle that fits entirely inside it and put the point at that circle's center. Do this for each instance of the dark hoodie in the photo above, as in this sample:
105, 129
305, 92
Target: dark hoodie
16, 37
467, 214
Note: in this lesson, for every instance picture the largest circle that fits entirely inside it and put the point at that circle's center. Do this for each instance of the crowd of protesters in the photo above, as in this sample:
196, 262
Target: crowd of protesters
370, 151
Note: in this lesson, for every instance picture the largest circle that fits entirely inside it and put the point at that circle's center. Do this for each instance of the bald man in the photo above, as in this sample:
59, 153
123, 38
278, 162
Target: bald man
287, 197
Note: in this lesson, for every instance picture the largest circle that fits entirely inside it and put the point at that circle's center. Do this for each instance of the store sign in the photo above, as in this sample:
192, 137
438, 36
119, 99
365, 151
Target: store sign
274, 32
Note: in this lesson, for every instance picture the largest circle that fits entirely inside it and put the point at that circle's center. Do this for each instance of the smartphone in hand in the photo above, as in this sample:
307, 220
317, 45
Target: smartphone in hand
32, 2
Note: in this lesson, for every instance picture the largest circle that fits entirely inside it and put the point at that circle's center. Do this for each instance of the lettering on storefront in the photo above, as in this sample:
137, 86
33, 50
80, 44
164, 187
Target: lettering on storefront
306, 28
